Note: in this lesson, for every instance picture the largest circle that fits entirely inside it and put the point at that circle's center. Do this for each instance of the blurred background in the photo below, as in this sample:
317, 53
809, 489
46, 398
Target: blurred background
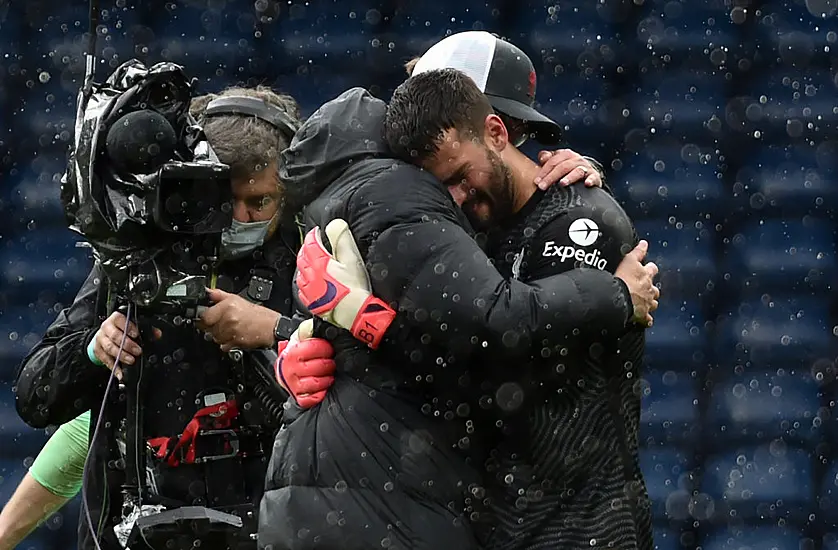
716, 121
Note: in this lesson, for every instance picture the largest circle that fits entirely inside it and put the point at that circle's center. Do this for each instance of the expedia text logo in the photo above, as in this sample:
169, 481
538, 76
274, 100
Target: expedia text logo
567, 252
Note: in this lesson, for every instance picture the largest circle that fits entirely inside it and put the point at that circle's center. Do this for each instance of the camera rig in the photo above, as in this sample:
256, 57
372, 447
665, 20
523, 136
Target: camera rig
150, 197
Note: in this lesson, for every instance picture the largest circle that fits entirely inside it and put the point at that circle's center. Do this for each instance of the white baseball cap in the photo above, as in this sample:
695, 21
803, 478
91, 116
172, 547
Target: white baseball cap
501, 70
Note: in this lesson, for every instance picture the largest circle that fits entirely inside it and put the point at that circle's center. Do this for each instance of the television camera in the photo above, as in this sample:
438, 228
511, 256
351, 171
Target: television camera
149, 195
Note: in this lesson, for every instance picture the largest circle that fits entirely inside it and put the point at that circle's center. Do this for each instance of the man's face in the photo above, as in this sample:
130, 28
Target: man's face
256, 198
478, 180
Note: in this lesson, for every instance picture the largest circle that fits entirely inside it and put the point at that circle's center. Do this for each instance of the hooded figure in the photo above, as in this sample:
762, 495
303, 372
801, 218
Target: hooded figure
394, 456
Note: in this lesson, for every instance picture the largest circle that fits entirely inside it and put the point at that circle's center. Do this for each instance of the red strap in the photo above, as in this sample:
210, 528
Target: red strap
220, 416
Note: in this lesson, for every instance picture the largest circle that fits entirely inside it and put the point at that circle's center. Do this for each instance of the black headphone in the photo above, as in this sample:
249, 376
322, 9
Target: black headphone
256, 107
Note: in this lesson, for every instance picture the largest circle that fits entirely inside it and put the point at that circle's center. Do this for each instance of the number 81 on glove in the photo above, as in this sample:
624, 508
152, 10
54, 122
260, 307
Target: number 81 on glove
336, 287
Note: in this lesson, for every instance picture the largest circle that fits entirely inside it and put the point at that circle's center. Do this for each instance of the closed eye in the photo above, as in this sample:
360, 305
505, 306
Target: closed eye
457, 178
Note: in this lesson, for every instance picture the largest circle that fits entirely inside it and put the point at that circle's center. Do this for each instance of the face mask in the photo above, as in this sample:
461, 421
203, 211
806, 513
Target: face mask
242, 238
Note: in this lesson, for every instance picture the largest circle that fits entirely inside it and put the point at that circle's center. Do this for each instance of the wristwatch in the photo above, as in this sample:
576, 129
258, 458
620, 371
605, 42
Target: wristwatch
284, 328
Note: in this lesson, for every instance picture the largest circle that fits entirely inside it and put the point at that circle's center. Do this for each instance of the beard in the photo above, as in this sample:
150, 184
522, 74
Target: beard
485, 208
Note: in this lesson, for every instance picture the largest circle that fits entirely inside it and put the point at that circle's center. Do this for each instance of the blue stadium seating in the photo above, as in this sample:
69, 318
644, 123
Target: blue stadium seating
20, 329
335, 31
682, 104
828, 498
685, 25
18, 439
12, 471
789, 182
667, 539
754, 538
671, 180
778, 333
782, 256
45, 261
574, 101
669, 411
762, 406
35, 200
312, 89
51, 116
578, 37
684, 252
796, 104
668, 475
416, 26
678, 340
804, 25
766, 482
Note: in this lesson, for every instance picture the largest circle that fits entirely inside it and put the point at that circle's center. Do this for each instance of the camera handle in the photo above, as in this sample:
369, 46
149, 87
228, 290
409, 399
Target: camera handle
135, 381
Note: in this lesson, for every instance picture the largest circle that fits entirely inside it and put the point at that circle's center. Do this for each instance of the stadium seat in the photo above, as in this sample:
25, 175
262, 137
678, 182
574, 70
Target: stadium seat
12, 471
333, 32
574, 101
313, 88
671, 180
416, 26
53, 117
44, 263
684, 250
676, 26
798, 27
35, 200
681, 104
20, 329
666, 539
219, 44
669, 483
830, 540
796, 104
767, 482
789, 182
669, 412
16, 437
762, 406
754, 538
788, 256
776, 333
678, 341
576, 36
828, 499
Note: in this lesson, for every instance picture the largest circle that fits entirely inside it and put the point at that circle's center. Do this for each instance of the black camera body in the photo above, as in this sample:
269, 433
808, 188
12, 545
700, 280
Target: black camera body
146, 190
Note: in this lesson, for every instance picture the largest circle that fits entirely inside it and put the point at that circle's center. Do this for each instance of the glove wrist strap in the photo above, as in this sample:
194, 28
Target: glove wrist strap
372, 321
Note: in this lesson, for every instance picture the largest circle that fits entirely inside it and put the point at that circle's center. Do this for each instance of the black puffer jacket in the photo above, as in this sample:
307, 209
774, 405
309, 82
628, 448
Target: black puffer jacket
393, 457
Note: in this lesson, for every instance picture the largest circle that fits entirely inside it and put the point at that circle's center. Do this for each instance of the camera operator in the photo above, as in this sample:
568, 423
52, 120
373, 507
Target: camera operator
67, 372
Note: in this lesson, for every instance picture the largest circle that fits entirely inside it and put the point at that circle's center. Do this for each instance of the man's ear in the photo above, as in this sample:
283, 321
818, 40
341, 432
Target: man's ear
495, 133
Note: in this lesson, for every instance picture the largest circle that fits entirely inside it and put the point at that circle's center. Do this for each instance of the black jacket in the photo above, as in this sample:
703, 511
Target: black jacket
57, 381
568, 464
393, 456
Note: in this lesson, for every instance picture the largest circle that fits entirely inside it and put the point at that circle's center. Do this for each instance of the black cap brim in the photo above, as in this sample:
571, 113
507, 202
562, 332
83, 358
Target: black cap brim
545, 130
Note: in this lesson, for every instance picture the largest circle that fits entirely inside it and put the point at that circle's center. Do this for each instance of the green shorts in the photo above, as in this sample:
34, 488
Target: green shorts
59, 466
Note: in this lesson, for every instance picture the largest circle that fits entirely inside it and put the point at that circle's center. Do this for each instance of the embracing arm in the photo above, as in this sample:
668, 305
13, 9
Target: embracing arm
57, 381
423, 261
447, 288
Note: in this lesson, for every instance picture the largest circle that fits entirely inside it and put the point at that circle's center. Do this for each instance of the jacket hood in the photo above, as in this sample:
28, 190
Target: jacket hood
343, 131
